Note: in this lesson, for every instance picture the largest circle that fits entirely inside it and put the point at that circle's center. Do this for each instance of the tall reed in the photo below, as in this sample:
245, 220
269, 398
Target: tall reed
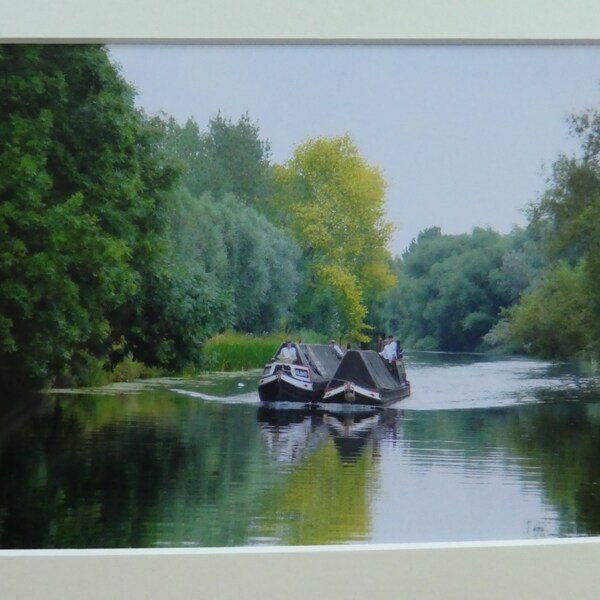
232, 351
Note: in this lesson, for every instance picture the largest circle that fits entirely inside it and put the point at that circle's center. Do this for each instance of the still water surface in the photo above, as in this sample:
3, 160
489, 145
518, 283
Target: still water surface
484, 449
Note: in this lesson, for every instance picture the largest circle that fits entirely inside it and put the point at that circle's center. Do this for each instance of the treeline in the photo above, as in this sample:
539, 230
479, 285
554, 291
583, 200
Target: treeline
125, 236
130, 237
452, 289
534, 291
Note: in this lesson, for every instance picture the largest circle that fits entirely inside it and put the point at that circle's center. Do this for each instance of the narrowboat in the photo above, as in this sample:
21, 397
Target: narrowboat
297, 375
364, 378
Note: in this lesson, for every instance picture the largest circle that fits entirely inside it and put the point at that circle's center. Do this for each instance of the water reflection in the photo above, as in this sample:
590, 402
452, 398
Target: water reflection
292, 435
199, 463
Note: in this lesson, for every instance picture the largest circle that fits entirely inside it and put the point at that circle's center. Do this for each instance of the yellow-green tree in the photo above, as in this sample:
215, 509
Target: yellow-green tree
332, 200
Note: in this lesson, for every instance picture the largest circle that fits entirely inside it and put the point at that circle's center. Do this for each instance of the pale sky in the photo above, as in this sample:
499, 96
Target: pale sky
465, 135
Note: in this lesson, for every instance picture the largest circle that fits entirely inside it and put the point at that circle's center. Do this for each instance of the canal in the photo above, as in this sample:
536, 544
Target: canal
484, 449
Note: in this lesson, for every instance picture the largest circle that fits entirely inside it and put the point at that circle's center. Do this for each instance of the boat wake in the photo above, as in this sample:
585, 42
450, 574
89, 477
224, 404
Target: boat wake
249, 398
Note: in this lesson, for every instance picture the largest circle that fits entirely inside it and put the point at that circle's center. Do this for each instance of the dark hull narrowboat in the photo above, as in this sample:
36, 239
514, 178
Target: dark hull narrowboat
298, 383
363, 378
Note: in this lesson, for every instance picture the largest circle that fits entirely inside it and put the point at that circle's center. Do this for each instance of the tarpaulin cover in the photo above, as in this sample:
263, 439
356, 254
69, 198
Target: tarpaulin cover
322, 359
365, 368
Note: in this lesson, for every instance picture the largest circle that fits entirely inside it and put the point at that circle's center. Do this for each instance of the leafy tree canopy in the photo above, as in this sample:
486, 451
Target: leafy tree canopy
227, 158
333, 203
450, 290
561, 315
80, 184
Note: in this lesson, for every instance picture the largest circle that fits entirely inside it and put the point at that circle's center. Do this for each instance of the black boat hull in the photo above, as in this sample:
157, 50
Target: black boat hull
301, 382
352, 395
282, 388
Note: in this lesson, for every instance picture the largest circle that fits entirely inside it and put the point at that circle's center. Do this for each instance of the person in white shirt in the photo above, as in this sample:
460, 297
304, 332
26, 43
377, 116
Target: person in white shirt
288, 353
339, 352
389, 352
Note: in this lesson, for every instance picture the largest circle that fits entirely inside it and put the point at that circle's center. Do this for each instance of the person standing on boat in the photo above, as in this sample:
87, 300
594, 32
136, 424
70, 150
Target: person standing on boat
288, 353
338, 351
387, 351
389, 355
396, 360
391, 349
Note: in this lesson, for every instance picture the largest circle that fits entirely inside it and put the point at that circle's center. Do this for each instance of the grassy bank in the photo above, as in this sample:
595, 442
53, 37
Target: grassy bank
230, 351
233, 351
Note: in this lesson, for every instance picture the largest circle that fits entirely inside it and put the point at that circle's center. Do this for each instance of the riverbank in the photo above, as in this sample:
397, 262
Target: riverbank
227, 352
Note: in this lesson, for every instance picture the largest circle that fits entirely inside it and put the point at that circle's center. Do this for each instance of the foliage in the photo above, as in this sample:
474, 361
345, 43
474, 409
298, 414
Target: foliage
333, 203
561, 317
262, 267
233, 351
80, 186
554, 319
229, 158
449, 293
181, 300
129, 369
216, 229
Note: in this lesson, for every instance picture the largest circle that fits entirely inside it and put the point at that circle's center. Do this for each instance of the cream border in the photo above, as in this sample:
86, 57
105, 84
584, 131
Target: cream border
332, 20
548, 569
495, 571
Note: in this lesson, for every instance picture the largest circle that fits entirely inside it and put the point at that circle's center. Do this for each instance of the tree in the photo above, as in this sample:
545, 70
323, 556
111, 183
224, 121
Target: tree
225, 236
553, 320
80, 184
567, 222
450, 289
333, 203
227, 158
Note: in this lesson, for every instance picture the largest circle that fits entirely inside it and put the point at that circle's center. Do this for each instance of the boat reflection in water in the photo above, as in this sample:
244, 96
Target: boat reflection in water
293, 435
329, 467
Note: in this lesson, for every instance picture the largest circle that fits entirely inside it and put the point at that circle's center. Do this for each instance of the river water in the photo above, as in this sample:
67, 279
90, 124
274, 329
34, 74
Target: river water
483, 449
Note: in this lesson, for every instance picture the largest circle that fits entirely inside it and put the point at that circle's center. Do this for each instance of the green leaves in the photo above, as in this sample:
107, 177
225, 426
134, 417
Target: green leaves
554, 319
76, 211
333, 203
451, 289
559, 317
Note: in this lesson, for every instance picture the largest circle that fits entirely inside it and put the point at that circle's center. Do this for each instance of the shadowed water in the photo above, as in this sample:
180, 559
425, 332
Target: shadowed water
484, 449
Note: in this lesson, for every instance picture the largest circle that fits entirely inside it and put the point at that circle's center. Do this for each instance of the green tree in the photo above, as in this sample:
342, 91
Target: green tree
554, 319
80, 185
227, 158
449, 293
333, 203
262, 267
223, 235
567, 222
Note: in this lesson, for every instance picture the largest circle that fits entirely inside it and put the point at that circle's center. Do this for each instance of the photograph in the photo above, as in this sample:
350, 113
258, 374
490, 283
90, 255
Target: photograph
283, 297
274, 295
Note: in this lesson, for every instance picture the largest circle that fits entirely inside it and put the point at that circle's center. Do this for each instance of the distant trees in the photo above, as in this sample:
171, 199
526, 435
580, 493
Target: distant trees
560, 316
450, 290
218, 224
556, 318
229, 158
536, 290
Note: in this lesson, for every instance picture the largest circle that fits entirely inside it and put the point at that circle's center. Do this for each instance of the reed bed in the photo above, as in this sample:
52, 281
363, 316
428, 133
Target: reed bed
232, 351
